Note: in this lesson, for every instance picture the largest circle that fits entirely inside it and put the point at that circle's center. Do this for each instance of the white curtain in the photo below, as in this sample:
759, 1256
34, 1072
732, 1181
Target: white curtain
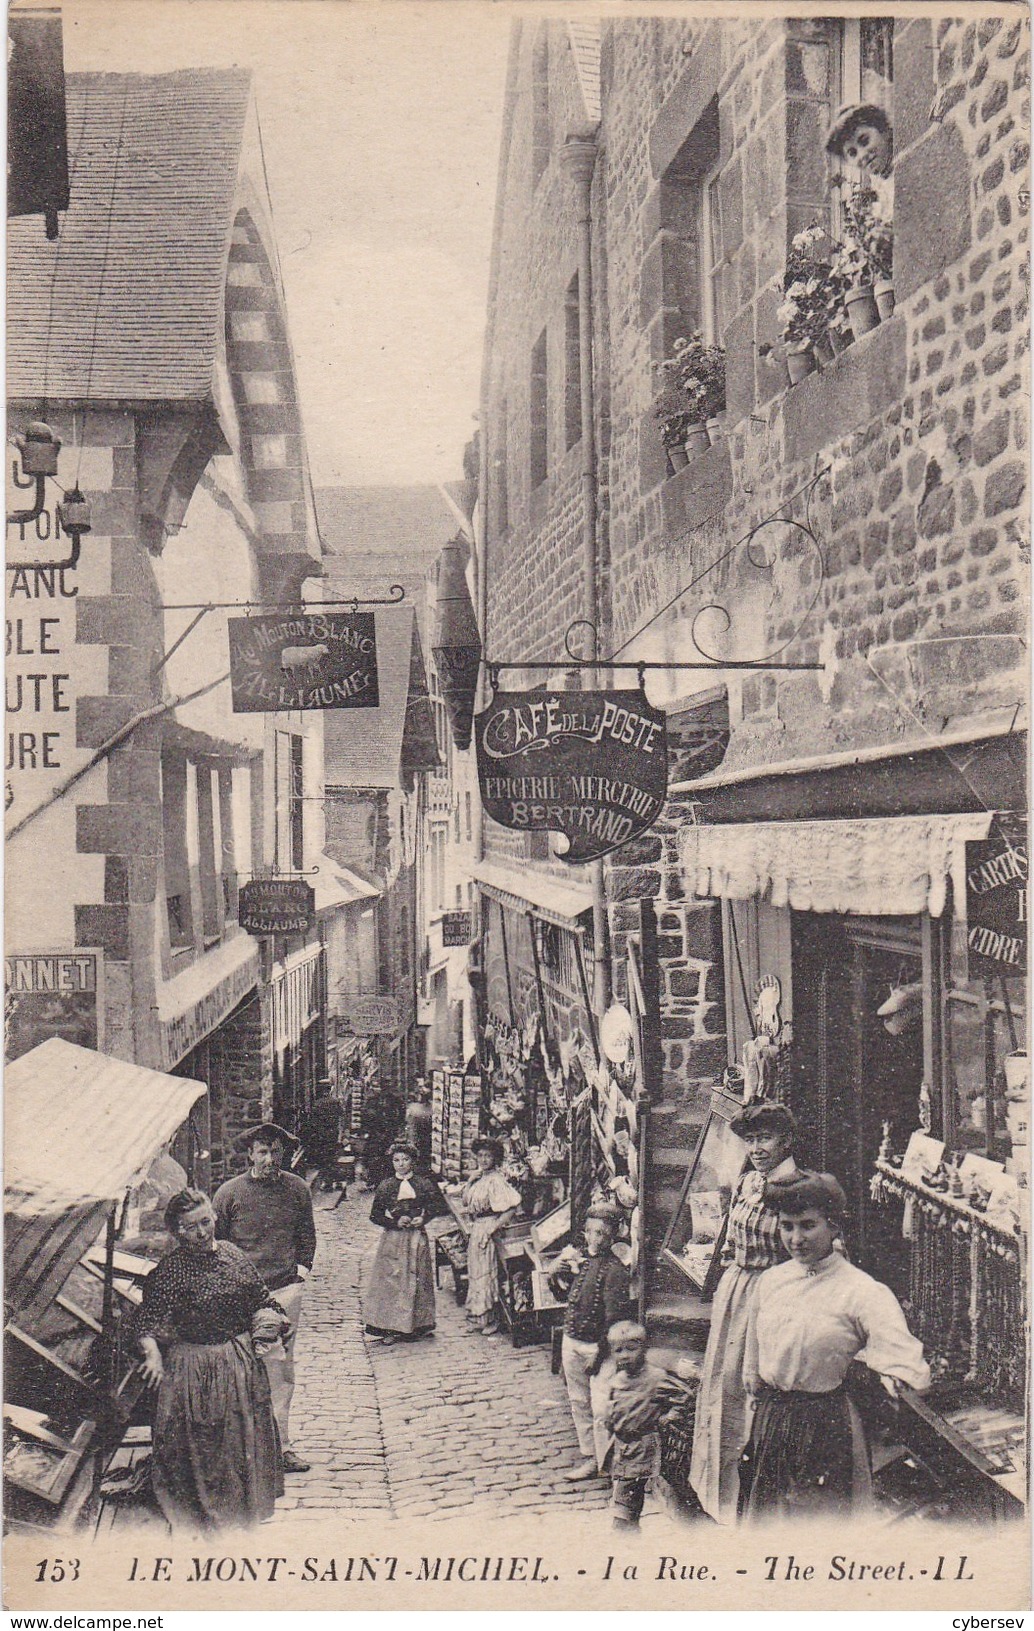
893, 867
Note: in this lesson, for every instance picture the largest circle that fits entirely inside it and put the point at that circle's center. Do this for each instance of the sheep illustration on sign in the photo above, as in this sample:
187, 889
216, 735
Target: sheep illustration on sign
308, 660
590, 765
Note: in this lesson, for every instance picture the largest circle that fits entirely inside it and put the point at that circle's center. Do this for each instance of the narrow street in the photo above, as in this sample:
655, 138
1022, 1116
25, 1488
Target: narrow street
444, 1426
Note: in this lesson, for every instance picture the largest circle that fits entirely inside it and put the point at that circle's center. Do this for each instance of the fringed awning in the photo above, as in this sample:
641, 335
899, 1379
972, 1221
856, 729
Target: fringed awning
887, 868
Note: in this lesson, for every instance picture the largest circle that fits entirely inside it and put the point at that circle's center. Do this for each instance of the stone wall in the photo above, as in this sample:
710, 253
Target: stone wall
898, 473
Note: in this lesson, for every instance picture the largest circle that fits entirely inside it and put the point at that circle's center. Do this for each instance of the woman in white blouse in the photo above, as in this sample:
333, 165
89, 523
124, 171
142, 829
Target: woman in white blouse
807, 1453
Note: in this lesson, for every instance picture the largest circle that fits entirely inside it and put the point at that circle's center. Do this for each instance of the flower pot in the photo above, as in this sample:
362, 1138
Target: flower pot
696, 440
800, 362
715, 430
678, 458
883, 293
823, 349
862, 309
840, 339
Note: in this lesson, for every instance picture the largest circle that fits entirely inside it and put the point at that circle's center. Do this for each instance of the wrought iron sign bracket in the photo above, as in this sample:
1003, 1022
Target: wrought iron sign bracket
396, 594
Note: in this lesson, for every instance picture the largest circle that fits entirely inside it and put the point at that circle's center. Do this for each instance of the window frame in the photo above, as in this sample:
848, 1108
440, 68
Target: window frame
847, 86
711, 265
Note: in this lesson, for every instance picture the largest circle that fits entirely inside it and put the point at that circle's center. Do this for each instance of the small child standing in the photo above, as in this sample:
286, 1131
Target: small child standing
639, 1395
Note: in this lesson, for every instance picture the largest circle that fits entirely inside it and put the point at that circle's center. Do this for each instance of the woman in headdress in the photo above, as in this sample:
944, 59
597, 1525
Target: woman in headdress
751, 1245
399, 1300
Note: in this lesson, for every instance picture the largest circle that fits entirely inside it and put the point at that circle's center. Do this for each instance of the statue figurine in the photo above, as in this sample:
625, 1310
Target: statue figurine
925, 1108
884, 1149
761, 1053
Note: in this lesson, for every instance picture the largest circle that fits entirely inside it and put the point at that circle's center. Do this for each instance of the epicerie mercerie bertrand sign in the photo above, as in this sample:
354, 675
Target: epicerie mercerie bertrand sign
307, 660
996, 900
592, 765
276, 906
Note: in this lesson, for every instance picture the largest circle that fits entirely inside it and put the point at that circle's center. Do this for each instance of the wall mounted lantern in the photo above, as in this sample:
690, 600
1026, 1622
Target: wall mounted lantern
39, 449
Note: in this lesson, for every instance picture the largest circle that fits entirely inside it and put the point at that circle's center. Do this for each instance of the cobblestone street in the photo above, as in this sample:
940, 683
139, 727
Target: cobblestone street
444, 1426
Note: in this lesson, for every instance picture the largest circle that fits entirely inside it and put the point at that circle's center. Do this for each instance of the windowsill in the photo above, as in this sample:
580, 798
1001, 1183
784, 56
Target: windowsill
701, 489
864, 381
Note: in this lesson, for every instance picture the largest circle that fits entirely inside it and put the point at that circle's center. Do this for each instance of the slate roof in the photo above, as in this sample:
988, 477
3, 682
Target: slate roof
155, 158
585, 48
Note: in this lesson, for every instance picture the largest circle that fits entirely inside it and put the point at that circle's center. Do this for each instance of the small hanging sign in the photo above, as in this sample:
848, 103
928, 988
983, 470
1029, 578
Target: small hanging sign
592, 765
455, 928
304, 660
371, 1016
276, 906
996, 900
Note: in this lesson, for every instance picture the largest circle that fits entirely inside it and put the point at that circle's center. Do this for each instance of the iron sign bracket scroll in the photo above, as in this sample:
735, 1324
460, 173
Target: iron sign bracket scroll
494, 665
396, 594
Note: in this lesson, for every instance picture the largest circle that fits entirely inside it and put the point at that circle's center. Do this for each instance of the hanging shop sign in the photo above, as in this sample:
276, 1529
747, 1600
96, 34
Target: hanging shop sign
370, 1016
277, 906
51, 993
455, 928
996, 900
309, 660
592, 765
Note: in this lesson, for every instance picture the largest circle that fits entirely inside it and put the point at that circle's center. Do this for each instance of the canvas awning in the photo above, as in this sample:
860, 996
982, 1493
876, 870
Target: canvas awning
337, 885
80, 1126
894, 867
556, 900
80, 1129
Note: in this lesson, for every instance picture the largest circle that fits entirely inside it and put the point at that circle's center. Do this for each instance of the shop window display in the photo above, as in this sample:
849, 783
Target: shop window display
697, 1232
985, 1024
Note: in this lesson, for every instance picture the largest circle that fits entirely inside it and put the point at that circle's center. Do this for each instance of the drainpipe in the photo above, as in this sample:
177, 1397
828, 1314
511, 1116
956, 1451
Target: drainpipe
579, 157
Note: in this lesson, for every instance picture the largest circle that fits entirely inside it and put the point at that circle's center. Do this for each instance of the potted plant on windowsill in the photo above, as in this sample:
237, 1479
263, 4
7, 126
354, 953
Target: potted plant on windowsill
864, 261
691, 398
810, 307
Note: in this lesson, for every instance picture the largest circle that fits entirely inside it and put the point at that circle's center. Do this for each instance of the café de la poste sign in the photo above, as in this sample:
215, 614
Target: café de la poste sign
592, 765
303, 660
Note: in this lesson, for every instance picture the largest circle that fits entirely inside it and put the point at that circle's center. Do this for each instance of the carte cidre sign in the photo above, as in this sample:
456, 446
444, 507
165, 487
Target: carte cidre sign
306, 660
996, 900
276, 906
592, 765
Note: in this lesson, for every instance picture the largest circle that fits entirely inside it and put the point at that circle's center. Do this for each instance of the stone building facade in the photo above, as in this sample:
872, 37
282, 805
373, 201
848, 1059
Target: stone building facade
138, 801
870, 520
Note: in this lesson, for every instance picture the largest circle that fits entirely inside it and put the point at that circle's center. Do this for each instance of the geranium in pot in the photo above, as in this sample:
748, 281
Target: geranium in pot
671, 409
692, 394
810, 305
865, 258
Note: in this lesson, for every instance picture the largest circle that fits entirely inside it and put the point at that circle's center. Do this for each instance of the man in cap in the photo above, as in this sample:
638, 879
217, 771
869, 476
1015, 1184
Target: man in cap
597, 1299
268, 1213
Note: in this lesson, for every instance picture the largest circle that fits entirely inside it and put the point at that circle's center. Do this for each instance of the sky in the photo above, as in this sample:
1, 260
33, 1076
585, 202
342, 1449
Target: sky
380, 124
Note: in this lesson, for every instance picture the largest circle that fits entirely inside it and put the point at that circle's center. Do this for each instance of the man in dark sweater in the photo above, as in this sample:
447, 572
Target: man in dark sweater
598, 1298
268, 1214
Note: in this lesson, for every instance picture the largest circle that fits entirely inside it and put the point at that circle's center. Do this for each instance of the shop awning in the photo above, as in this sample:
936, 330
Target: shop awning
555, 900
962, 770
80, 1129
892, 868
80, 1126
337, 885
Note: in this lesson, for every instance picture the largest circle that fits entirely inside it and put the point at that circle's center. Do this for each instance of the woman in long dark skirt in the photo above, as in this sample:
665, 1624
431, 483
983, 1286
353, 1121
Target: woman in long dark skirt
807, 1454
204, 1321
399, 1300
